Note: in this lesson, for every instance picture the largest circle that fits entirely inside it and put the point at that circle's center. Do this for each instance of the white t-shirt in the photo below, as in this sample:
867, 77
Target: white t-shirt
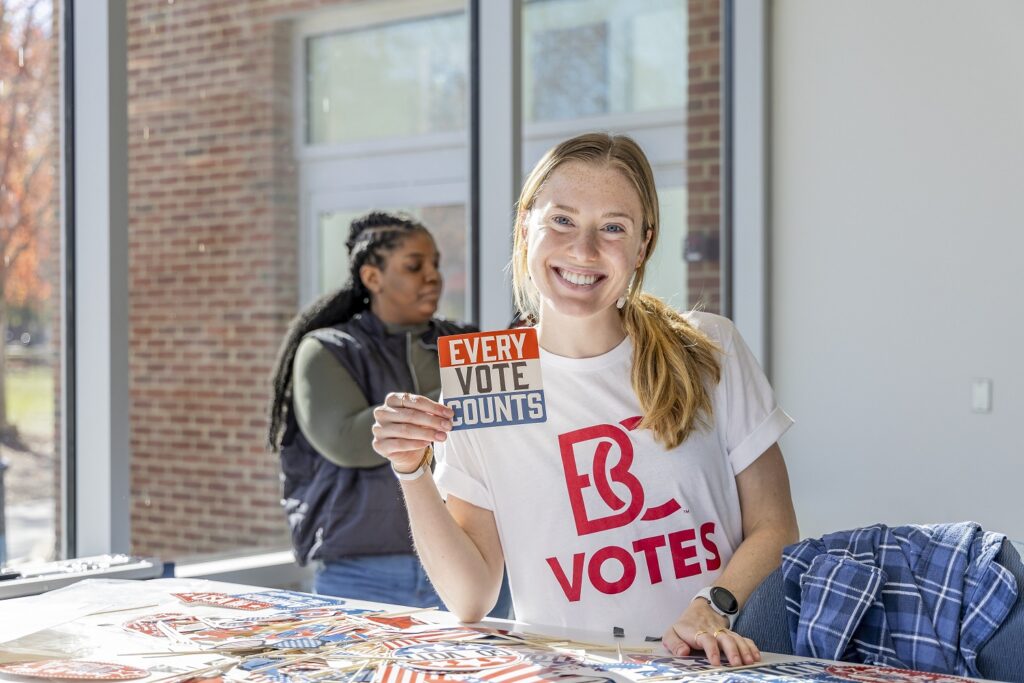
600, 525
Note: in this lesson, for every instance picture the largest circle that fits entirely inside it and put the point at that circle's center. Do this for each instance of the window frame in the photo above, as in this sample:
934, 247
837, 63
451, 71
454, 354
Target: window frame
96, 421
430, 163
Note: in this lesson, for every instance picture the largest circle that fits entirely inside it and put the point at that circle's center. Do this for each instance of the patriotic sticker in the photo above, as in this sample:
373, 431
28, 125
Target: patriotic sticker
222, 600
285, 672
881, 674
291, 600
809, 671
522, 672
456, 658
396, 673
296, 644
321, 612
182, 623
635, 670
415, 638
307, 631
552, 659
395, 623
70, 669
492, 379
676, 664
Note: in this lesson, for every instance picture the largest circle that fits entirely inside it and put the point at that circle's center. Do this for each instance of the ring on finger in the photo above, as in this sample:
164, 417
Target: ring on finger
698, 634
721, 630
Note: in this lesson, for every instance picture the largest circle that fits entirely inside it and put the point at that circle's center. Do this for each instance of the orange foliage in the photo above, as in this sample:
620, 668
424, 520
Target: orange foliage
29, 152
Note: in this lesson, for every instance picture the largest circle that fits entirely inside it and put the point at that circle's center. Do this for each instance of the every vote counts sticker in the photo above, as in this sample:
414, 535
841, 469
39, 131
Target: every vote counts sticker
492, 379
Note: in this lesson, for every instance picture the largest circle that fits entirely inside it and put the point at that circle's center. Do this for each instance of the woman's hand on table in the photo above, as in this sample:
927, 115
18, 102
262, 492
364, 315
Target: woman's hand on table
701, 628
405, 425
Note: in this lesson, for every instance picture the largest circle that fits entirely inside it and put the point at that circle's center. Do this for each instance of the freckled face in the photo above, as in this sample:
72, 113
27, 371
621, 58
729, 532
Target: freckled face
585, 238
406, 290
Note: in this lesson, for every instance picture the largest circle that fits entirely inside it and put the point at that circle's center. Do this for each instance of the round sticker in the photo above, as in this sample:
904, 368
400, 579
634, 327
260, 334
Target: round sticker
451, 657
173, 620
881, 674
71, 669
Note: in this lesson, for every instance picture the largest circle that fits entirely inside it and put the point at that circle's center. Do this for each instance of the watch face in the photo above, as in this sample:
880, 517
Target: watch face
724, 600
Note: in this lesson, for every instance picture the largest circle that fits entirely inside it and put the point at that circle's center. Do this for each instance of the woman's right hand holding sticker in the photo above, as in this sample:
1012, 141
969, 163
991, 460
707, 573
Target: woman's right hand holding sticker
405, 425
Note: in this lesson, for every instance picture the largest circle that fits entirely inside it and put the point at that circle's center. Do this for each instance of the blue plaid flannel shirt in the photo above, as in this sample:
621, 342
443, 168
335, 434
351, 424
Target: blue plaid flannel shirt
916, 597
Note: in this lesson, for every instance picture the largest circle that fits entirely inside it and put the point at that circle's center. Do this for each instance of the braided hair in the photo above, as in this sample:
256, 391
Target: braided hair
370, 239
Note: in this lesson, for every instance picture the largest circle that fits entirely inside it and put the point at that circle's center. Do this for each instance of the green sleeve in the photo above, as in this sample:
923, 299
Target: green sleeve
331, 409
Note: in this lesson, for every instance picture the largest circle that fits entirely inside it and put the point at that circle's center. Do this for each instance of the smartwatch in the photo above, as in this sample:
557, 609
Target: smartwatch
721, 600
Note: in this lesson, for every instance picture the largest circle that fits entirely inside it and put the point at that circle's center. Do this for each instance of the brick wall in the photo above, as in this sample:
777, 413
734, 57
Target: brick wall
213, 267
703, 147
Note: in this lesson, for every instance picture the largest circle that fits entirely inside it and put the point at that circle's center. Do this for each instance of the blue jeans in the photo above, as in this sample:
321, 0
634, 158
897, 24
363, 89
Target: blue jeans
396, 579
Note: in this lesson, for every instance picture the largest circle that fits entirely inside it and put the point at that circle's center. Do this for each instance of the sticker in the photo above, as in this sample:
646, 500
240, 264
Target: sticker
296, 644
150, 625
77, 670
492, 379
309, 632
456, 658
222, 600
396, 673
882, 674
311, 668
810, 671
450, 634
291, 600
635, 670
320, 612
395, 623
676, 664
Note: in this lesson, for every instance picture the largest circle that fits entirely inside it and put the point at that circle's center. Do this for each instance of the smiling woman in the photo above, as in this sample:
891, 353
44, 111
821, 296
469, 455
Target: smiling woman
655, 480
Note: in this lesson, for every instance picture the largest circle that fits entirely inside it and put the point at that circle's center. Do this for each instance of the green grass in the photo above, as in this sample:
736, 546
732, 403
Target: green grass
30, 399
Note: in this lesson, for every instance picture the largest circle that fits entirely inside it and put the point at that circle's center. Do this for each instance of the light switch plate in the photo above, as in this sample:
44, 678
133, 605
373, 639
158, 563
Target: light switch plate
981, 395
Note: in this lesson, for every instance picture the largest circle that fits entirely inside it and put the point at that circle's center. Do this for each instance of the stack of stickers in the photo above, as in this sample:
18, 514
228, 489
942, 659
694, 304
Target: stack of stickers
299, 638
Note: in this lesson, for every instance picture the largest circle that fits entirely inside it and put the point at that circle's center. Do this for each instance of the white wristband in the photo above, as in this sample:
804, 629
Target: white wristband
411, 476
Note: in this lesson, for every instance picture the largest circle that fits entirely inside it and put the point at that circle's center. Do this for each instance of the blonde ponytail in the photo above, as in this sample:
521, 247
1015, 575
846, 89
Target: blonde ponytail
675, 366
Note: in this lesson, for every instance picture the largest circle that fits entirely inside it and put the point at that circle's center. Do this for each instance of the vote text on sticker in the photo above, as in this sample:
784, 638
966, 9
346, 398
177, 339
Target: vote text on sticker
492, 379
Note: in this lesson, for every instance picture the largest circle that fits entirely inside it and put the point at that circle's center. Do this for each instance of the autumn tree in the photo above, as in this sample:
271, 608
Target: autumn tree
28, 163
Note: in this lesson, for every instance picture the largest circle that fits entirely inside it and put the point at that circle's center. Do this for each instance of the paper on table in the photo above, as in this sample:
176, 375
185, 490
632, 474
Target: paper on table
23, 616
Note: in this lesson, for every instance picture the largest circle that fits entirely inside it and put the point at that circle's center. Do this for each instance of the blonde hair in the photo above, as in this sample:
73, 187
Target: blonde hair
675, 365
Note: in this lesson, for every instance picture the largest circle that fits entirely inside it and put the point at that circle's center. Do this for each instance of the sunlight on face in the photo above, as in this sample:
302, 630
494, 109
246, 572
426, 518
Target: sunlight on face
585, 239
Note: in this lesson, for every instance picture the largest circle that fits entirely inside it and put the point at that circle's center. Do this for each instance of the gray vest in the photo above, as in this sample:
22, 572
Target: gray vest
333, 511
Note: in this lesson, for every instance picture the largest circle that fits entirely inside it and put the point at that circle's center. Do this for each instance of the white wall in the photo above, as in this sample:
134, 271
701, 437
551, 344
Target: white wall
897, 209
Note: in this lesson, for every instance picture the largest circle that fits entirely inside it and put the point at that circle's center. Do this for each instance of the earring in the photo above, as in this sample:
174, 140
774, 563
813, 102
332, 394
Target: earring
621, 301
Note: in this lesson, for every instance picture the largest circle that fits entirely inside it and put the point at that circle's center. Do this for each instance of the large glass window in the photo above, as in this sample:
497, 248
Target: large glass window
585, 58
386, 112
649, 69
402, 78
256, 132
30, 280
